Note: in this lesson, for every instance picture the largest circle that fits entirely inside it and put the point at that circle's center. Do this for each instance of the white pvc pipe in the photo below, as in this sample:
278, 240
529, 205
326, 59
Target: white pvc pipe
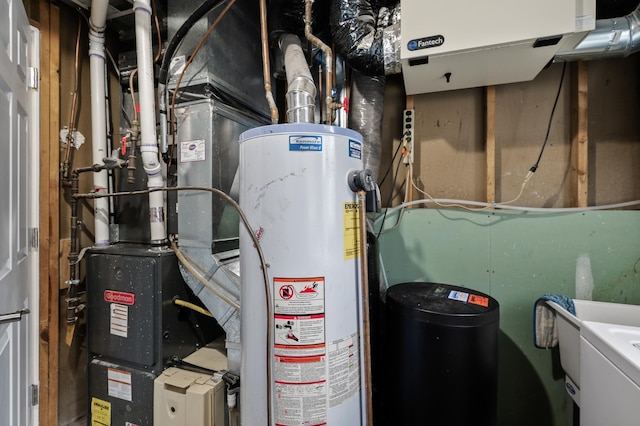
148, 141
97, 23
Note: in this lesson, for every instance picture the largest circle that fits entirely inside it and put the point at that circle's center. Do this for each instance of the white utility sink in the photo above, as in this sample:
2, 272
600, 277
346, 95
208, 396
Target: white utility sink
569, 332
610, 364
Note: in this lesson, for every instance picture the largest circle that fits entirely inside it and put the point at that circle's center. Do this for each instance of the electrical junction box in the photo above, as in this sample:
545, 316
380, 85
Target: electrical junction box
187, 398
459, 44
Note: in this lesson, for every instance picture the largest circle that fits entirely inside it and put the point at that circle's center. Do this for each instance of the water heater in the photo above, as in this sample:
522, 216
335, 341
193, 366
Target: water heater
294, 191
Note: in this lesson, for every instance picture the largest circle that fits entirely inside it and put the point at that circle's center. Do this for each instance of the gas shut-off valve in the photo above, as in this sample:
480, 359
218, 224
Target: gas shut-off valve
362, 180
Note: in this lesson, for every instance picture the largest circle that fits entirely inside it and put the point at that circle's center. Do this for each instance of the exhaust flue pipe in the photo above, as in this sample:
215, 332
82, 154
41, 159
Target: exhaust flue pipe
97, 26
148, 141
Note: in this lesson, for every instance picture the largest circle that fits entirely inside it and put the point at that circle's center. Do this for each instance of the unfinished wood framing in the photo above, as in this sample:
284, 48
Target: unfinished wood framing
490, 149
579, 134
49, 25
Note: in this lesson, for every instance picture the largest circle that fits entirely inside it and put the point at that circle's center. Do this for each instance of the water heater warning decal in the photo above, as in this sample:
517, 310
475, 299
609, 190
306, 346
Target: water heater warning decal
300, 359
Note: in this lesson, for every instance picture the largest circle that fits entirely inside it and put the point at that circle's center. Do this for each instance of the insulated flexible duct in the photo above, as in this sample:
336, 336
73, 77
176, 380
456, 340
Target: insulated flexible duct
365, 116
367, 38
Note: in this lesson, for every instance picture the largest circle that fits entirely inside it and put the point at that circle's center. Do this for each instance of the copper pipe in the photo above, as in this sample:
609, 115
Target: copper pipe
266, 66
366, 331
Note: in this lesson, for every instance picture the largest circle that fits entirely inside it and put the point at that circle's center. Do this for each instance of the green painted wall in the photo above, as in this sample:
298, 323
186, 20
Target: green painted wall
516, 257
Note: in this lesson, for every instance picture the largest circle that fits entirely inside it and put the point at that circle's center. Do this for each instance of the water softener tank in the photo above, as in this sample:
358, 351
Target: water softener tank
294, 191
442, 356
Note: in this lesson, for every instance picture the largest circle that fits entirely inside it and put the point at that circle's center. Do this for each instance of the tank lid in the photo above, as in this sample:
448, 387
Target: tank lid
445, 304
308, 128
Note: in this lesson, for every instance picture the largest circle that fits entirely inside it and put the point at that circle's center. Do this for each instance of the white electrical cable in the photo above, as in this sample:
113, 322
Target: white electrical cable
509, 207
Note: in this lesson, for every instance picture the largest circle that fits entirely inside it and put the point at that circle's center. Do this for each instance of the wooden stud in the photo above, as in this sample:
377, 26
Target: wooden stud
579, 134
491, 143
49, 25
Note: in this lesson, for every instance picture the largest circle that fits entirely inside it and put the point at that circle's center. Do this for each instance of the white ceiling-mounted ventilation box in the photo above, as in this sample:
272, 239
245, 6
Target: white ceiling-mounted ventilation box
458, 44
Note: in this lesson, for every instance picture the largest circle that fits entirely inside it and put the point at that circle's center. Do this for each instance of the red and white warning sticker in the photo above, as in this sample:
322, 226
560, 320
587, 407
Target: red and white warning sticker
300, 360
298, 296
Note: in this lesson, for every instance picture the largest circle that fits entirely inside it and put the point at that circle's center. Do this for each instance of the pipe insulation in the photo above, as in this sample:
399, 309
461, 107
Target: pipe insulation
97, 26
613, 37
301, 90
368, 38
148, 142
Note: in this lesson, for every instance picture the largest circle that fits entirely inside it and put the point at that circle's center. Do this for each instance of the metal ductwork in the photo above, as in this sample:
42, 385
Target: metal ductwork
612, 37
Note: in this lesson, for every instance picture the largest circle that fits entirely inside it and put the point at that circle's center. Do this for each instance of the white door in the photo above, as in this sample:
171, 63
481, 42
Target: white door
19, 173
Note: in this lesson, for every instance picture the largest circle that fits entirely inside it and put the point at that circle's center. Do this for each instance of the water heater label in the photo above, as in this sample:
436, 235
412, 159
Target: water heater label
351, 220
355, 149
299, 353
344, 369
191, 151
305, 143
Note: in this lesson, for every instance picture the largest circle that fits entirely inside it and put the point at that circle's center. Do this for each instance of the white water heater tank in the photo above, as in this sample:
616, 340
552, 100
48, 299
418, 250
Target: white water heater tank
294, 191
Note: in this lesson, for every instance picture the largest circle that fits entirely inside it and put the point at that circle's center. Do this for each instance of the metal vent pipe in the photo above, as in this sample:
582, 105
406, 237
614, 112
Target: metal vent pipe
613, 37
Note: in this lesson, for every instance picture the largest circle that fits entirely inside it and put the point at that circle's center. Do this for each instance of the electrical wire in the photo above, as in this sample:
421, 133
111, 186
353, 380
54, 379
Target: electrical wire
393, 184
133, 94
193, 307
441, 201
553, 110
172, 129
157, 23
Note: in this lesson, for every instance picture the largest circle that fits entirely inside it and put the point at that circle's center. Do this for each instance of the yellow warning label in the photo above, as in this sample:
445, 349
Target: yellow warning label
100, 412
351, 230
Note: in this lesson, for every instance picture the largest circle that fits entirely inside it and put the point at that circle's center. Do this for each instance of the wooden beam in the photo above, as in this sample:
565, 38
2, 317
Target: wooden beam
579, 134
49, 25
490, 150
